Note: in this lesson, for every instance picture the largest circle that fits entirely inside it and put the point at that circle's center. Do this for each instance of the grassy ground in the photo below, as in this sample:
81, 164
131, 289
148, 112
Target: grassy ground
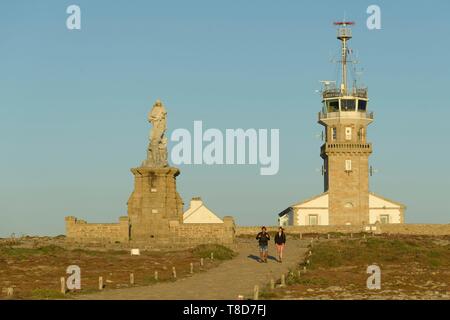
35, 272
411, 268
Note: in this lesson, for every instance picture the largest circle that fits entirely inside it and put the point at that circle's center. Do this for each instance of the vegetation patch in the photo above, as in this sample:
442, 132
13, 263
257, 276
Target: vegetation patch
219, 252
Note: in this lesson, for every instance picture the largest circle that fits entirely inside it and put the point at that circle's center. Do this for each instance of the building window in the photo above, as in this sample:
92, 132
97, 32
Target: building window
333, 106
348, 133
313, 219
347, 105
384, 219
362, 105
361, 134
334, 133
348, 165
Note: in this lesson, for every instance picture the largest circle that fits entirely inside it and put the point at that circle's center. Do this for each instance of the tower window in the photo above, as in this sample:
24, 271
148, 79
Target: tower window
348, 105
361, 134
348, 133
333, 106
333, 133
348, 165
362, 105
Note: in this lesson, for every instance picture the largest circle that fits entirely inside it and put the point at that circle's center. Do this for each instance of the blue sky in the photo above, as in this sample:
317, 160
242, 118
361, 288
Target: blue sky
73, 104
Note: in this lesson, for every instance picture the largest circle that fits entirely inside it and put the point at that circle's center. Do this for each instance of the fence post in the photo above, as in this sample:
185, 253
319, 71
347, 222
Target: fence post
256, 293
156, 275
272, 284
174, 272
283, 280
100, 283
132, 278
192, 268
63, 285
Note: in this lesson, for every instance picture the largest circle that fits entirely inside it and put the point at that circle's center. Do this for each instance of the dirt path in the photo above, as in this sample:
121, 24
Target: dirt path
232, 278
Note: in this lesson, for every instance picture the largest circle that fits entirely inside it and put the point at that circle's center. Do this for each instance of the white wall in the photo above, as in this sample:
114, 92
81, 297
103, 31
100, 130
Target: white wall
319, 202
394, 215
303, 216
379, 206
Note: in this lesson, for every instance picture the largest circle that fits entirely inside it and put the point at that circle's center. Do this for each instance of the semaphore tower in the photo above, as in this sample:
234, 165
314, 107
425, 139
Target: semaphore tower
346, 199
346, 151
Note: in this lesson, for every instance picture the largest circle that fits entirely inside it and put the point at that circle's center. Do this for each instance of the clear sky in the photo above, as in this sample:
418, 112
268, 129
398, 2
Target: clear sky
73, 104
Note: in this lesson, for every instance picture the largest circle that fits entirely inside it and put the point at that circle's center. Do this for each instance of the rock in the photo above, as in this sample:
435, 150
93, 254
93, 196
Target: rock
334, 288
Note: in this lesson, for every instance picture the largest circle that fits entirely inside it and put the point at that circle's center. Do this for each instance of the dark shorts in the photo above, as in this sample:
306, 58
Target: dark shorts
263, 247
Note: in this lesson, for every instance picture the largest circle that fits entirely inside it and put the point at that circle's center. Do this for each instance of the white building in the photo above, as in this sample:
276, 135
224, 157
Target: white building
314, 211
199, 213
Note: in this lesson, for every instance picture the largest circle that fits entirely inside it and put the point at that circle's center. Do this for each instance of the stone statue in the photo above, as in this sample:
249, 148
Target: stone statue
157, 148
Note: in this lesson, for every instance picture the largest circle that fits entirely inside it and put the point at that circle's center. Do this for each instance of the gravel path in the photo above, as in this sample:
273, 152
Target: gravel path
230, 279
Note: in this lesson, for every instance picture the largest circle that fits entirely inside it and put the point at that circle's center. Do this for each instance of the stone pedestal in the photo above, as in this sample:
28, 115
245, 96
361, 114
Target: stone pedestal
154, 203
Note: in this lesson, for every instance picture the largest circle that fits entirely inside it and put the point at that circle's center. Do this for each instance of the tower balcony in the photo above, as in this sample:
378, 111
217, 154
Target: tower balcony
368, 115
346, 148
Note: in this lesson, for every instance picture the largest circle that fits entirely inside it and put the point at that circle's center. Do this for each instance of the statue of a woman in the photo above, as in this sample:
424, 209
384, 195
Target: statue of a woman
157, 148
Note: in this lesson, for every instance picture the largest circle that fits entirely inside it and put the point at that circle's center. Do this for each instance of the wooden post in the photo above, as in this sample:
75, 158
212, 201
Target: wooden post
298, 273
202, 262
212, 255
364, 236
174, 272
63, 285
100, 283
351, 235
328, 235
132, 278
304, 269
272, 284
10, 292
283, 280
256, 293
301, 236
192, 268
156, 275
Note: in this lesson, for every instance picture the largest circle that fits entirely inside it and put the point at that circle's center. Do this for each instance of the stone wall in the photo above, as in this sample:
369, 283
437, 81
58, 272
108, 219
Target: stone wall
406, 229
204, 233
178, 235
416, 229
82, 232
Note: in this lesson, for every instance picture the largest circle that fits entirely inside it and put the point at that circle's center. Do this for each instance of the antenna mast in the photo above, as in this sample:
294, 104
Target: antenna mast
344, 34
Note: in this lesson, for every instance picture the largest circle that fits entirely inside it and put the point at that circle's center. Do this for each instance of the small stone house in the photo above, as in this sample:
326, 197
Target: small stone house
199, 213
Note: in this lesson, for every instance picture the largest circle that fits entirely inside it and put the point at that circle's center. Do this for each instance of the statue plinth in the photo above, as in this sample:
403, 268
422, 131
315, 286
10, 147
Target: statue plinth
154, 203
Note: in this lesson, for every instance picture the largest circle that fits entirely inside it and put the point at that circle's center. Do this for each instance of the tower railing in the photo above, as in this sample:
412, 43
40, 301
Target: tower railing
346, 114
349, 146
335, 93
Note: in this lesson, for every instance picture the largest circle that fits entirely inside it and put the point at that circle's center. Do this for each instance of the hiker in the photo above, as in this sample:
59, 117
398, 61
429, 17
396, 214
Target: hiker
280, 242
263, 238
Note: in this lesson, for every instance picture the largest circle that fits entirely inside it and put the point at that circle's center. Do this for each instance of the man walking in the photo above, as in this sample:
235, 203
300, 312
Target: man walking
263, 239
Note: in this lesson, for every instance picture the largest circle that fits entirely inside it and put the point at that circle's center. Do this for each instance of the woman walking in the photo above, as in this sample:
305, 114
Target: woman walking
280, 242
